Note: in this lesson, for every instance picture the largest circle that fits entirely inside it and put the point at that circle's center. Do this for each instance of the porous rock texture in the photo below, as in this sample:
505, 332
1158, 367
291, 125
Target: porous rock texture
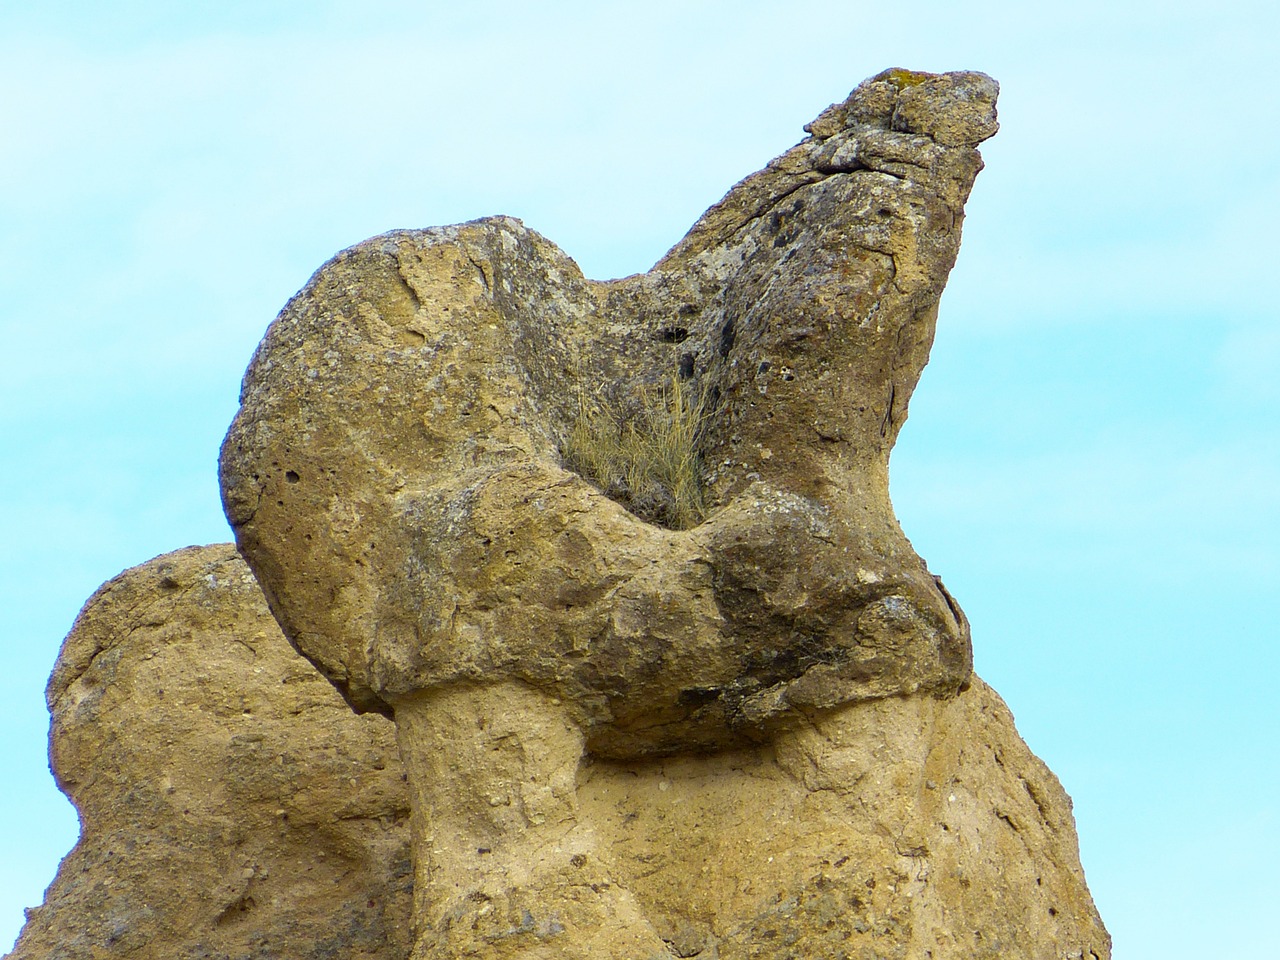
396, 477
755, 737
907, 827
231, 805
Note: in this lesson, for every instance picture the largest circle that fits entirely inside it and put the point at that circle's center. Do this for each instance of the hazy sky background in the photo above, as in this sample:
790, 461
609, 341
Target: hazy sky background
1093, 456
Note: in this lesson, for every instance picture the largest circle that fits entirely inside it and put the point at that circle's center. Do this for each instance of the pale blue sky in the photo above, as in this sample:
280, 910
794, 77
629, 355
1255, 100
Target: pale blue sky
1093, 457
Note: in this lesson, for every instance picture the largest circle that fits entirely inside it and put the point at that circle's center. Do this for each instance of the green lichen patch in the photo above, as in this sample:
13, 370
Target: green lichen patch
905, 78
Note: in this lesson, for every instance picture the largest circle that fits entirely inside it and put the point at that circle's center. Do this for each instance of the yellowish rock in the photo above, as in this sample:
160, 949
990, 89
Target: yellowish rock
748, 729
246, 812
406, 478
230, 804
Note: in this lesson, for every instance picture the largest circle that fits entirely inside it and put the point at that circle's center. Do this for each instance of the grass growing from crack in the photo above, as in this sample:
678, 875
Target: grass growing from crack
647, 461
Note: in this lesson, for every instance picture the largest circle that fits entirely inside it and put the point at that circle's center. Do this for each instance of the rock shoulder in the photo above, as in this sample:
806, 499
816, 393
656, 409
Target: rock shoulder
231, 805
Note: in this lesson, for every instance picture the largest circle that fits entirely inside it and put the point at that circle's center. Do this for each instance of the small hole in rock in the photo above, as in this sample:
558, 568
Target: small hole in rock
727, 337
673, 334
235, 911
291, 476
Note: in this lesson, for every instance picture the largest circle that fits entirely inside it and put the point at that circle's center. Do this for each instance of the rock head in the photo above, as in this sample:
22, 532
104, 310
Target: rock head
548, 523
406, 473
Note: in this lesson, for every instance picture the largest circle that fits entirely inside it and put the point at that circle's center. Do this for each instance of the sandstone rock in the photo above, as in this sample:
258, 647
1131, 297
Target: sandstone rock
231, 805
397, 475
563, 653
636, 721
907, 827
221, 820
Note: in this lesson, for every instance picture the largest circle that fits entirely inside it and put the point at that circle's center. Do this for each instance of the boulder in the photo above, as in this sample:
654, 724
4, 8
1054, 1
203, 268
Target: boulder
618, 559
231, 805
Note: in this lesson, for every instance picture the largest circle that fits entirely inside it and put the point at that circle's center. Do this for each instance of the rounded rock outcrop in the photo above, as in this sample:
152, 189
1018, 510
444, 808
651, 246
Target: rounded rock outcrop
231, 805
668, 680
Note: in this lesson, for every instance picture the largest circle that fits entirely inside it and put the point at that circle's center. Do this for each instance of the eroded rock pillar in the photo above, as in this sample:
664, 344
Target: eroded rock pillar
504, 863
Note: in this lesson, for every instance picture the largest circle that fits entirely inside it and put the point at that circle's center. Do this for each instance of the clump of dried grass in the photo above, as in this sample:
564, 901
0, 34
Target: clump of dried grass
646, 459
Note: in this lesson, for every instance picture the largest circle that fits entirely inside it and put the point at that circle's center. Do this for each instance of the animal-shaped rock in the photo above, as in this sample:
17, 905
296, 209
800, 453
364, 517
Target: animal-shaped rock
398, 473
433, 475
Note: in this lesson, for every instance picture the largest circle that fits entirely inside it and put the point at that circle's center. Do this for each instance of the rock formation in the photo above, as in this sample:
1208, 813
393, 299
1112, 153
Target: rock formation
721, 711
402, 477
396, 475
231, 805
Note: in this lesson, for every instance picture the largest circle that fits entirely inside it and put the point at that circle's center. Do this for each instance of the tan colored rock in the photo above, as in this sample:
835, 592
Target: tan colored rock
221, 820
401, 479
231, 805
396, 474
908, 827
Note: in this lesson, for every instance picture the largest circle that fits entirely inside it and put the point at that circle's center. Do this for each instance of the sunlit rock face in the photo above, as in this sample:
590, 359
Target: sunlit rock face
231, 805
563, 649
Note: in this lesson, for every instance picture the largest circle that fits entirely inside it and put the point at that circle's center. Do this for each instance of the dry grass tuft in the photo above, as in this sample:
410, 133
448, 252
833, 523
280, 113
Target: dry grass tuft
648, 461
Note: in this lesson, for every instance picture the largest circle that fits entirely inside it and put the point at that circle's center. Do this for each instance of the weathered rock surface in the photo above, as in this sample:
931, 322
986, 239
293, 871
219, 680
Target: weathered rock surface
398, 478
231, 805
908, 827
757, 736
